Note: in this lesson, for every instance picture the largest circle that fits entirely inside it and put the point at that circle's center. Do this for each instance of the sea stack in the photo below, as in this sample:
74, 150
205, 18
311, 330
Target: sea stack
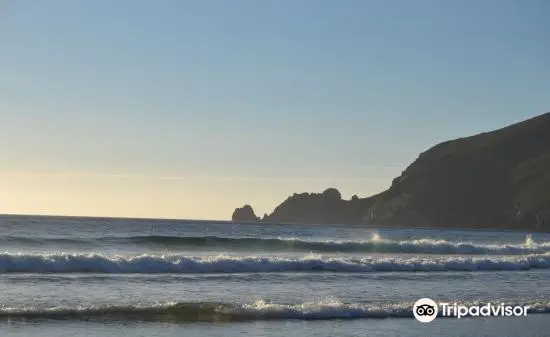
244, 214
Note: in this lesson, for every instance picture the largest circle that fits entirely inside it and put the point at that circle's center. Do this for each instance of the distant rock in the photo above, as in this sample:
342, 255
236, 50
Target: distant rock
332, 194
244, 214
327, 207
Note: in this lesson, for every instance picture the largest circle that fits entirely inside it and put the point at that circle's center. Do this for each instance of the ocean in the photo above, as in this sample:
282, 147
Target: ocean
125, 277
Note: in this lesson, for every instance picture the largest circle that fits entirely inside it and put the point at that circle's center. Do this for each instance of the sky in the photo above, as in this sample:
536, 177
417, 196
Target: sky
188, 109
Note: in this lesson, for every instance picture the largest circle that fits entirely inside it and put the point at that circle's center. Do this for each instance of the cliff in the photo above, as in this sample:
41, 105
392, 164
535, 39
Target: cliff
494, 179
498, 179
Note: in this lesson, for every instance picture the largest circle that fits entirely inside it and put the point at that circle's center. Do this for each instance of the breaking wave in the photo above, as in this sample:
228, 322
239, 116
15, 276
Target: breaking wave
373, 245
227, 312
97, 263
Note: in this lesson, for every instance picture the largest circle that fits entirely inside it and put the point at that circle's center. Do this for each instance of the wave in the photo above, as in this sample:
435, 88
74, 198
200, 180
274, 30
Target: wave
25, 240
97, 263
227, 312
374, 245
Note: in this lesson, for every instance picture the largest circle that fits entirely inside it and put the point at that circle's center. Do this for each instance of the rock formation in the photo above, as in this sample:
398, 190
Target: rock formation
498, 179
244, 214
495, 179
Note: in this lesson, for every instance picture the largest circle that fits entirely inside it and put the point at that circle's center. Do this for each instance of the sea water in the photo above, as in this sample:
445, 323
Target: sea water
123, 277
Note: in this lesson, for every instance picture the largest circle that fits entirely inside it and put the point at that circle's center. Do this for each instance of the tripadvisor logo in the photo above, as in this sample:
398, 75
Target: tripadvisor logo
426, 310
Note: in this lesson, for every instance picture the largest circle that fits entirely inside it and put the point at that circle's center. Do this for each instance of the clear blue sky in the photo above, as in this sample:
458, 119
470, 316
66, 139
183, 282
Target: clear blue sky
191, 108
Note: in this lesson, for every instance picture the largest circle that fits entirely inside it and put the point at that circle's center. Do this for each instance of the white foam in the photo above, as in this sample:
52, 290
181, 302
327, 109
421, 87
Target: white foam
257, 310
97, 263
427, 246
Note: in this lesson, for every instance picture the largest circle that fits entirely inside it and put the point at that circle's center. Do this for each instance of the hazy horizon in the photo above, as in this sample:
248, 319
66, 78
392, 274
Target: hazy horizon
186, 109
